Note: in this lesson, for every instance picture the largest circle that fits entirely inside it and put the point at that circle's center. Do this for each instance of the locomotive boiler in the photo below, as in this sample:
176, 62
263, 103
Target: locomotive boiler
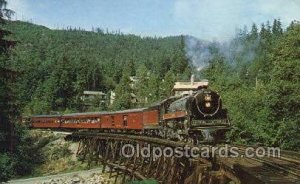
199, 116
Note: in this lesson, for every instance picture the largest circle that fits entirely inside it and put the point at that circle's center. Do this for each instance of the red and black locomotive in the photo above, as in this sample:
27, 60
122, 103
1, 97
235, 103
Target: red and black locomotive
197, 117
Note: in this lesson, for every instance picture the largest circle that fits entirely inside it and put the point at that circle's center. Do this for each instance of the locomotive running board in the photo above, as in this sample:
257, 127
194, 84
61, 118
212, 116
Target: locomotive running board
174, 115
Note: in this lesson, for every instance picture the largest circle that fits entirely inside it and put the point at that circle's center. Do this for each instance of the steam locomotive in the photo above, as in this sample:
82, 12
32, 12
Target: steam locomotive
195, 117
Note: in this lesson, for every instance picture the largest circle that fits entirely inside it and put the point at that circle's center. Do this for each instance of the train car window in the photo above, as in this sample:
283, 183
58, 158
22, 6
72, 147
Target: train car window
125, 120
112, 120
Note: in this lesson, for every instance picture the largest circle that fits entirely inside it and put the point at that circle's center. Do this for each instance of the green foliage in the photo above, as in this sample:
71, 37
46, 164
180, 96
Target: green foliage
60, 152
167, 84
56, 66
153, 88
5, 167
27, 155
283, 90
142, 90
180, 62
260, 85
4, 12
8, 110
124, 91
6, 96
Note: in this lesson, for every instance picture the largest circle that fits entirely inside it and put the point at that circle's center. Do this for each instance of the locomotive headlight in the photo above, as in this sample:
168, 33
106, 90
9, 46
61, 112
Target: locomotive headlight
207, 104
207, 98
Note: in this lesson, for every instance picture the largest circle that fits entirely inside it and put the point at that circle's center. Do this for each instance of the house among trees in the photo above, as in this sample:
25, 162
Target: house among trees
101, 100
182, 88
95, 99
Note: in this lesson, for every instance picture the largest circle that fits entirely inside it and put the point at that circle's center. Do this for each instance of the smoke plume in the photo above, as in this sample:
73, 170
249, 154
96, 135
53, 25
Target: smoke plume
200, 52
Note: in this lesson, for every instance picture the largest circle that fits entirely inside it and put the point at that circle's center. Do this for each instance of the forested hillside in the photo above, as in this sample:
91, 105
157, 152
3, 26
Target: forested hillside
42, 70
56, 66
257, 75
48, 70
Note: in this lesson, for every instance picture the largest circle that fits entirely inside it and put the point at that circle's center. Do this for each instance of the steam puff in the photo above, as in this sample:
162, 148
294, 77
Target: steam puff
197, 51
201, 52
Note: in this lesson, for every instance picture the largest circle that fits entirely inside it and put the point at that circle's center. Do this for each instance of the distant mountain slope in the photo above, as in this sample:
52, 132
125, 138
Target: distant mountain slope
104, 48
57, 65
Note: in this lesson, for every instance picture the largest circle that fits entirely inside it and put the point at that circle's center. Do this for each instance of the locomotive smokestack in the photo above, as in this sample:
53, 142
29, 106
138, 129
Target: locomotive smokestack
192, 79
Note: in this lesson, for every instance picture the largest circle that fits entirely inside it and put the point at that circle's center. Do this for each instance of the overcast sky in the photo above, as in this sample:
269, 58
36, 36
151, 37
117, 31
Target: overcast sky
205, 19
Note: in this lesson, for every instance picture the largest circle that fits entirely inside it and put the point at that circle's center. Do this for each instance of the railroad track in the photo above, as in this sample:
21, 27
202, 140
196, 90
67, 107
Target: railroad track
283, 162
283, 168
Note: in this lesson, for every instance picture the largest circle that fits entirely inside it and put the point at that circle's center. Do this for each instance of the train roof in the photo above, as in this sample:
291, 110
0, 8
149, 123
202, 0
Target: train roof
45, 116
92, 113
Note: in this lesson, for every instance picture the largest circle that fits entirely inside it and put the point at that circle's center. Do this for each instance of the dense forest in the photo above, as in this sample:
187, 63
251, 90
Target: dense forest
257, 74
58, 65
52, 68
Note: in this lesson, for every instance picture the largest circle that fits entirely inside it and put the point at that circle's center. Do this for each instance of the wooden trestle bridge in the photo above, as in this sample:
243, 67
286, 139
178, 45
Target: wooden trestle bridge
105, 149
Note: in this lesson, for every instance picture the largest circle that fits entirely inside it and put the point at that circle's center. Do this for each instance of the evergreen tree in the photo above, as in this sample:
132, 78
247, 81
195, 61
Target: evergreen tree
180, 61
283, 90
95, 62
4, 12
279, 27
142, 90
154, 88
276, 28
167, 85
8, 111
254, 32
291, 26
124, 91
263, 31
268, 82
